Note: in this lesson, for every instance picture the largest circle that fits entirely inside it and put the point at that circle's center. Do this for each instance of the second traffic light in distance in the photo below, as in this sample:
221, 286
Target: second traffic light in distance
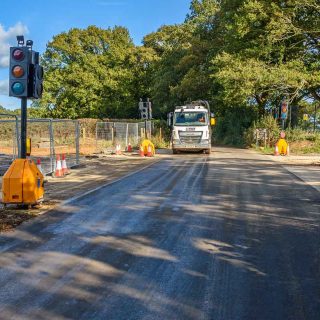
284, 110
19, 71
144, 113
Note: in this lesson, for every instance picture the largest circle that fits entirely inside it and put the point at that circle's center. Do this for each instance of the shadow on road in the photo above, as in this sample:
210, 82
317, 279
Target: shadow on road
200, 238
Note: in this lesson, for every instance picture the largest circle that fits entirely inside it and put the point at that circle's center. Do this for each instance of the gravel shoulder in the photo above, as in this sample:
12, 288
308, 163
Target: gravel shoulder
93, 172
305, 167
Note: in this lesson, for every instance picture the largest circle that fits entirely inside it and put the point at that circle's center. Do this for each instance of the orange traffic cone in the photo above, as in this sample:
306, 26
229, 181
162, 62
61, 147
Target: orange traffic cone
39, 165
59, 172
149, 151
65, 169
141, 152
129, 147
276, 150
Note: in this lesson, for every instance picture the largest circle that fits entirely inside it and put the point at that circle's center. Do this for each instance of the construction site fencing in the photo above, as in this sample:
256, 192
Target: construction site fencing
49, 138
110, 134
9, 140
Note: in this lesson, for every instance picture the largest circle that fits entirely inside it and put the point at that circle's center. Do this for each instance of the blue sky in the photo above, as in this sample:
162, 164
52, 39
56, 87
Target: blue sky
41, 20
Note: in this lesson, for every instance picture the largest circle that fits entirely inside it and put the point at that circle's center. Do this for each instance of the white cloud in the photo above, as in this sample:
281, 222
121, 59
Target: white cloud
7, 39
4, 87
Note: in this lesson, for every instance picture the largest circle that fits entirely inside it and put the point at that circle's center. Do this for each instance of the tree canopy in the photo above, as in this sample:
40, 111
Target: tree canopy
94, 73
234, 53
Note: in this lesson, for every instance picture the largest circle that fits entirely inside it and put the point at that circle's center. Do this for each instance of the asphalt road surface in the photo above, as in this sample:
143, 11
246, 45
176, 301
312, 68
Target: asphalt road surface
226, 236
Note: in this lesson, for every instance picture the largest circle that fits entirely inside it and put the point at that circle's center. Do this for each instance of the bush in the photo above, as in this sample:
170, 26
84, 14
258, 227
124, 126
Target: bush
266, 122
298, 134
232, 125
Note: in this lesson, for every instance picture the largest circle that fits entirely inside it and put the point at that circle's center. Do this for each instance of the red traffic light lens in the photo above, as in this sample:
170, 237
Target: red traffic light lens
18, 71
18, 55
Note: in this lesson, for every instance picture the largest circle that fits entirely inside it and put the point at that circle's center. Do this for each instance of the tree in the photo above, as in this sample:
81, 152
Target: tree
270, 52
93, 73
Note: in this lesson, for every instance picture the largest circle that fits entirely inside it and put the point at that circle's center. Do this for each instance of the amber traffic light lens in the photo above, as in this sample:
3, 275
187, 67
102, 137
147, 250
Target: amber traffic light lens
18, 55
18, 71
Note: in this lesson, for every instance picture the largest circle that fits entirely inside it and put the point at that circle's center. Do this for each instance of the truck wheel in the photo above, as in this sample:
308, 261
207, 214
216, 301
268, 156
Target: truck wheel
207, 151
175, 151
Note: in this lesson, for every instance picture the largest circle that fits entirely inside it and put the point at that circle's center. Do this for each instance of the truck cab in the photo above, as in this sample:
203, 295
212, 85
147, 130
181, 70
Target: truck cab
191, 127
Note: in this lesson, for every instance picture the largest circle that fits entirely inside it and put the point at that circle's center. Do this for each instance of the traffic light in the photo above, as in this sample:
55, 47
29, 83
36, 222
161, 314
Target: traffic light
19, 71
144, 112
284, 110
145, 109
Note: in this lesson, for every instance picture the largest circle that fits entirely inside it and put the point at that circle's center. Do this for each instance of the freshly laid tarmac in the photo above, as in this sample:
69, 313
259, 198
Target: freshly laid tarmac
232, 235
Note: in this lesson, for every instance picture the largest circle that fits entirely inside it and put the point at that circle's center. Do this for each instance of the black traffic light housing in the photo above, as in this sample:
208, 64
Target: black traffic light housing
145, 109
25, 73
144, 113
20, 58
35, 77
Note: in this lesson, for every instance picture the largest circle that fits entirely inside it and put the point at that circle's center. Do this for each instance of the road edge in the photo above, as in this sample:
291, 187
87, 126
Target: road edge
78, 197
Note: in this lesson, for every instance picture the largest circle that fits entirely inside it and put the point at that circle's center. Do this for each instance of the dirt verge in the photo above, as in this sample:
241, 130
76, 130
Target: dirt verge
93, 172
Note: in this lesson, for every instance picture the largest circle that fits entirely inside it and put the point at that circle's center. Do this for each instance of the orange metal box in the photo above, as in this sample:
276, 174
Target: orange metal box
22, 183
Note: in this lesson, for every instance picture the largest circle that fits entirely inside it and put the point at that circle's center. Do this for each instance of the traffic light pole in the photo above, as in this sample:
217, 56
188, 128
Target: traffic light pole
23, 128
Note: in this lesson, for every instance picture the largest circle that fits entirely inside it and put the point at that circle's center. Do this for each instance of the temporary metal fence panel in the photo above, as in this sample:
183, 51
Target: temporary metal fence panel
49, 137
9, 140
39, 130
109, 134
66, 141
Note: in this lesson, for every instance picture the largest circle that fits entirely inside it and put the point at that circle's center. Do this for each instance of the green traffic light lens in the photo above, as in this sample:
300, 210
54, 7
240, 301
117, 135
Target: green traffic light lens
18, 55
17, 88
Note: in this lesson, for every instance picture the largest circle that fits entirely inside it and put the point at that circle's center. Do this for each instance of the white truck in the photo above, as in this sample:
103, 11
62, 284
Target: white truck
191, 127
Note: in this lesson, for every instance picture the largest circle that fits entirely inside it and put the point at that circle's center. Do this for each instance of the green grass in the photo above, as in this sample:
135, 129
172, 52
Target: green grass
267, 150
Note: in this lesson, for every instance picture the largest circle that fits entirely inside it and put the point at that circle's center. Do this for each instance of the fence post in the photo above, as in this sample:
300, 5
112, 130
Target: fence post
137, 133
52, 152
84, 135
77, 141
97, 136
127, 133
112, 133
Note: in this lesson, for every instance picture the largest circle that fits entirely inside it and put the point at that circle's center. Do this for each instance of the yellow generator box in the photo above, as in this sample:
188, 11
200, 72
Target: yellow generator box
282, 147
22, 183
145, 144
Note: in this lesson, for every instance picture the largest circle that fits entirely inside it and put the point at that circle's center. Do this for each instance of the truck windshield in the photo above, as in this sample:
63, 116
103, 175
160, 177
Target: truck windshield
190, 119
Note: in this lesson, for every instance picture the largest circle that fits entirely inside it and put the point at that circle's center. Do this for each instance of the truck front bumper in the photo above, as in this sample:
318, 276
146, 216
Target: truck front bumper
191, 147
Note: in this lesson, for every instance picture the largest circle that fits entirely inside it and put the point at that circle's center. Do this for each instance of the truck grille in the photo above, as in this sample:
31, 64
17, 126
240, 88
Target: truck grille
190, 137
